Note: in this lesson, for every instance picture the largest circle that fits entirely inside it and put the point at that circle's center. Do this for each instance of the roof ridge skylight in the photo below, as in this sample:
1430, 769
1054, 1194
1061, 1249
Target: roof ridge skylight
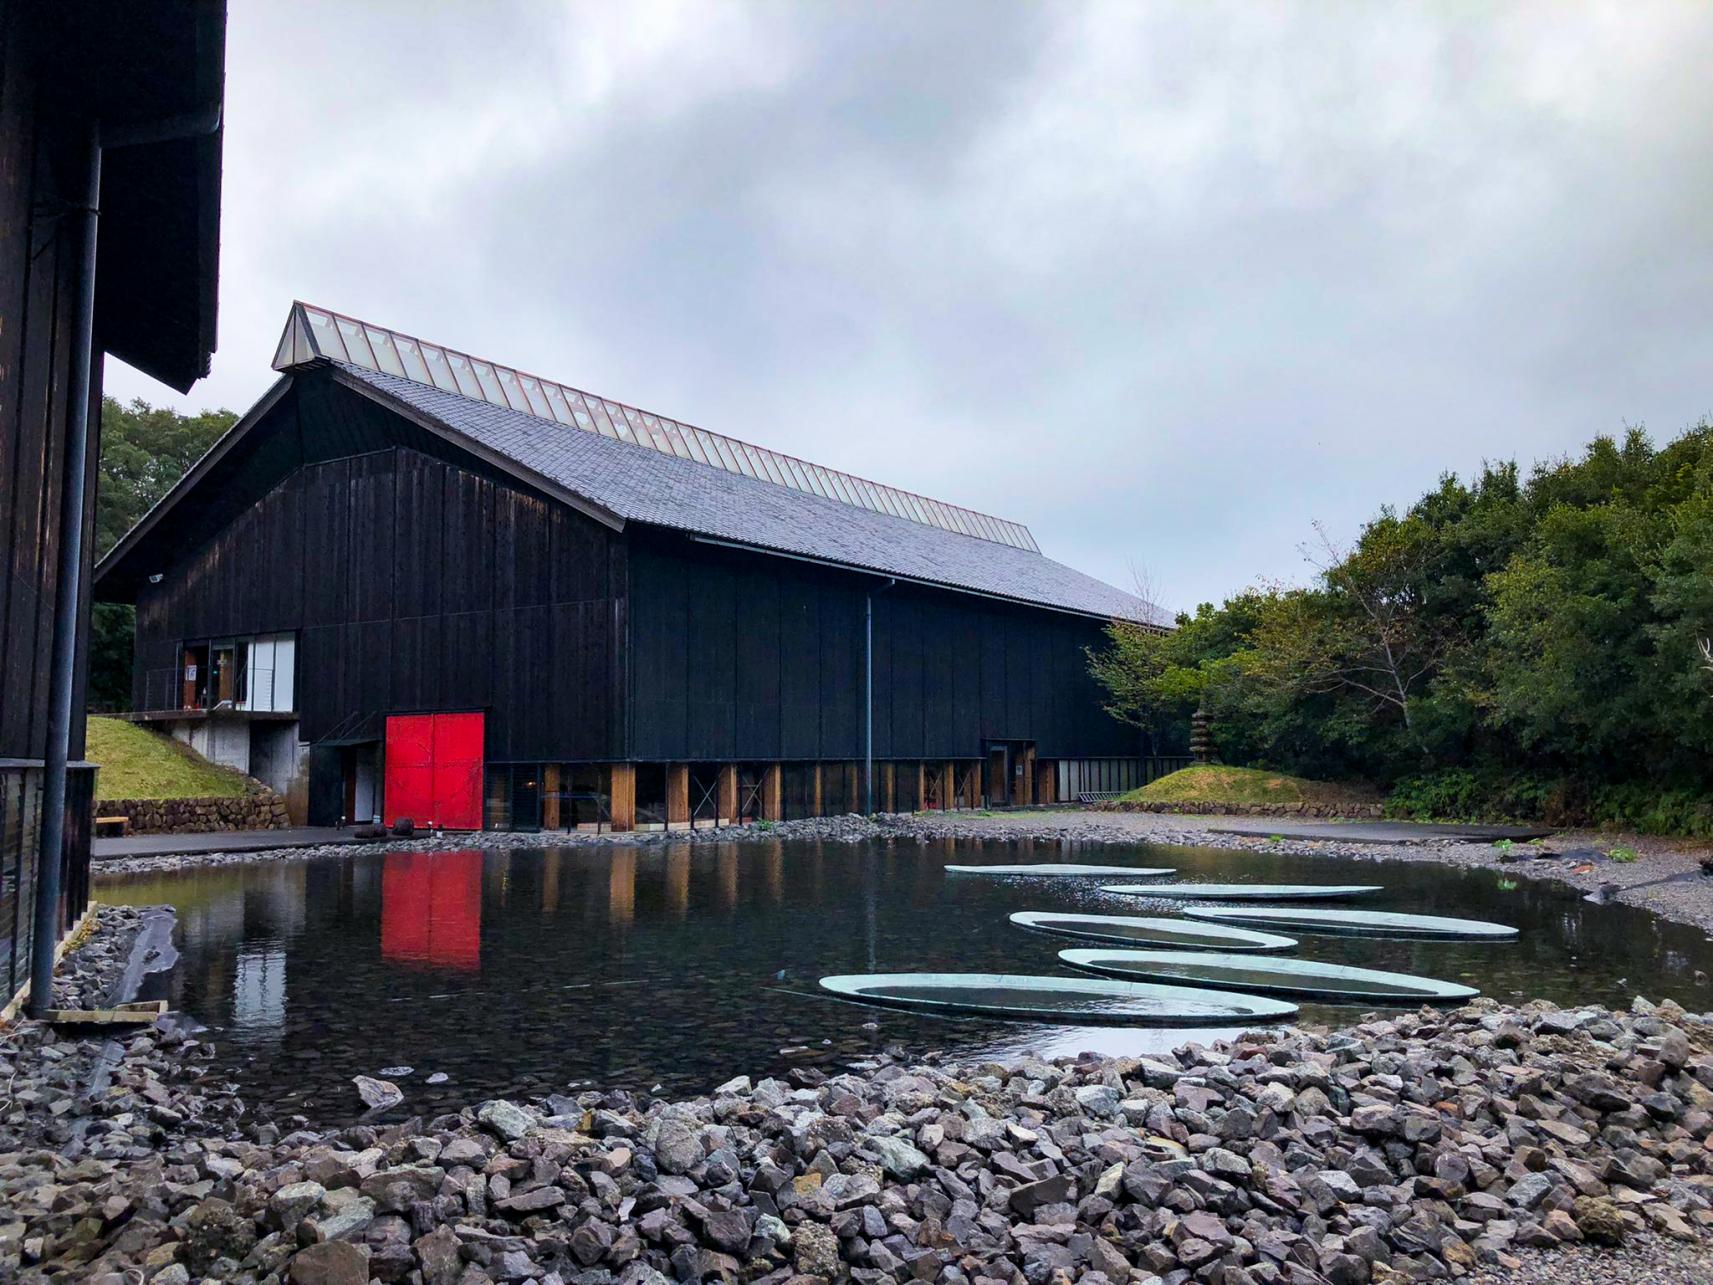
312, 333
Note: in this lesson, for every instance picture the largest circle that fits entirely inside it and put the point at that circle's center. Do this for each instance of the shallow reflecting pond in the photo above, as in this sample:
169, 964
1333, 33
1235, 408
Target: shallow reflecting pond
528, 971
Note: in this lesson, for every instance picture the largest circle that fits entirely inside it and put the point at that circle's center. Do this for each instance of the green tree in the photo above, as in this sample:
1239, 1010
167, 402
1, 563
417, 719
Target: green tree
145, 450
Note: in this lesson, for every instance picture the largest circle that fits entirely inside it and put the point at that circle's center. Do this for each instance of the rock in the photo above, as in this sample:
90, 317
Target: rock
897, 1156
678, 1143
504, 1119
377, 1095
815, 1251
215, 1230
291, 1204
337, 1262
437, 1252
1598, 1219
1029, 1197
1098, 1100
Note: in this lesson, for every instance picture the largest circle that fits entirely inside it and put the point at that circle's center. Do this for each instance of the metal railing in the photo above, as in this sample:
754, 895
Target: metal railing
163, 692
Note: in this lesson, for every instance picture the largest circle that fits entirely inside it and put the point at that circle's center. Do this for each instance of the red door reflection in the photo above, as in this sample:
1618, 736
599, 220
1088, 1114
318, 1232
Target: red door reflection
431, 909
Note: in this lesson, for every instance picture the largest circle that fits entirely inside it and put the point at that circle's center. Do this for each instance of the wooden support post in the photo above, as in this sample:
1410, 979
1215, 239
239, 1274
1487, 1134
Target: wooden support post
815, 791
1046, 782
772, 793
677, 794
948, 786
888, 782
550, 797
853, 787
624, 796
1028, 791
921, 787
727, 804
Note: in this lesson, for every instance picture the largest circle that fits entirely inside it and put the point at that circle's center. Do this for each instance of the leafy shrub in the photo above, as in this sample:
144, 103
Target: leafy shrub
1465, 794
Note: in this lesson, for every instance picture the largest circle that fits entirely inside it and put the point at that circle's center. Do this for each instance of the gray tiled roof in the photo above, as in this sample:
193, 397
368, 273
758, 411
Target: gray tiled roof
643, 485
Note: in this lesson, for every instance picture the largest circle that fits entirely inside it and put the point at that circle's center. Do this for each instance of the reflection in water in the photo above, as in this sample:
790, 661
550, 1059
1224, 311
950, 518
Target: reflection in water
259, 991
431, 909
621, 888
522, 972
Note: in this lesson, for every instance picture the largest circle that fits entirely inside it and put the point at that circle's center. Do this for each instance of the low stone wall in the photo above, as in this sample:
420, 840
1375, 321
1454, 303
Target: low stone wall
262, 810
1345, 811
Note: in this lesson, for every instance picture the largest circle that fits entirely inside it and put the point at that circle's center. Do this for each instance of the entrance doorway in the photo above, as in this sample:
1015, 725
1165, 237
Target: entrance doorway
1008, 765
434, 770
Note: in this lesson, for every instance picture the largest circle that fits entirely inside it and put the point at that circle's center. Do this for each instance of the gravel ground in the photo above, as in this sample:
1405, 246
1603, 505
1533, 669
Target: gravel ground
1646, 1260
1497, 1144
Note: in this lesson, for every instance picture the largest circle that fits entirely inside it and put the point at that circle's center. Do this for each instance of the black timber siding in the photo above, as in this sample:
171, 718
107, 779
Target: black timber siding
738, 655
42, 163
413, 584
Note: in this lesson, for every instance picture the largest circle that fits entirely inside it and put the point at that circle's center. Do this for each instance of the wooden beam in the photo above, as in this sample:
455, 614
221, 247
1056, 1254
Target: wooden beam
677, 793
1028, 790
853, 787
888, 783
772, 793
815, 791
1046, 782
728, 792
550, 797
949, 786
623, 789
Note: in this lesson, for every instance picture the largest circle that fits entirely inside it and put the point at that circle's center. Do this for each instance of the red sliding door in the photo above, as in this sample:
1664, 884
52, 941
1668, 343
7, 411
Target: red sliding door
434, 770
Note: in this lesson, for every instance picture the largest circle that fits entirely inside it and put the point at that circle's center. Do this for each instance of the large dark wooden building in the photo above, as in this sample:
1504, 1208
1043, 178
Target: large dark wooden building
412, 583
109, 219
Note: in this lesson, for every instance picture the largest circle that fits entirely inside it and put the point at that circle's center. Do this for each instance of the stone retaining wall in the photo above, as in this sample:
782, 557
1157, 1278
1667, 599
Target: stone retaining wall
1343, 811
262, 810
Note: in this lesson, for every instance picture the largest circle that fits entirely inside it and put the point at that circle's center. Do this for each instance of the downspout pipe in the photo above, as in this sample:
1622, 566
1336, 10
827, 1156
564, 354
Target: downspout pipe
68, 578
68, 592
868, 697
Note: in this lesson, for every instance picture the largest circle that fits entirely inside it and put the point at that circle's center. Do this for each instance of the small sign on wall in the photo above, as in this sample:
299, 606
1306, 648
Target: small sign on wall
190, 673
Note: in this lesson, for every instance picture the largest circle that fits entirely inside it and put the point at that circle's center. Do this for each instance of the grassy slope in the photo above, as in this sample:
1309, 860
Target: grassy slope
139, 764
1215, 784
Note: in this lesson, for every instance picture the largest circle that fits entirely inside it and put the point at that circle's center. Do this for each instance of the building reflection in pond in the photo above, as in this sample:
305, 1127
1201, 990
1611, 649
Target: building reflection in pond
621, 888
678, 881
431, 909
726, 863
259, 990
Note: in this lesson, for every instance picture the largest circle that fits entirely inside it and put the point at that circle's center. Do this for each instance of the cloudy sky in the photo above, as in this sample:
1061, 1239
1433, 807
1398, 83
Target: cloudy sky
1168, 282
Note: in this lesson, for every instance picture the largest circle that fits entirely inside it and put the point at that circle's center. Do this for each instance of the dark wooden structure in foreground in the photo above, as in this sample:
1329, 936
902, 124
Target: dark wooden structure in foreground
125, 98
504, 602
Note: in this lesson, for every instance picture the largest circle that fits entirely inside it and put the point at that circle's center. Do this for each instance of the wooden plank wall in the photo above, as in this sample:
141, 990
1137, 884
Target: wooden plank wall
415, 584
740, 656
40, 164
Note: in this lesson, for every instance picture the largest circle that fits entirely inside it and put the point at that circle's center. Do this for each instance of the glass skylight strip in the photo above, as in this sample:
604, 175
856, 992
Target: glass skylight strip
314, 332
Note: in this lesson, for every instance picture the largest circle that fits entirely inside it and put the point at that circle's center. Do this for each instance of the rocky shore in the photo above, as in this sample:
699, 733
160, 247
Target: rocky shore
1664, 878
1078, 827
1488, 1143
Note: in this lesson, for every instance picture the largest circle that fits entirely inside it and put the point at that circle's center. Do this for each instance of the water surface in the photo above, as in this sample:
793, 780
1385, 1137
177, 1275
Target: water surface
676, 967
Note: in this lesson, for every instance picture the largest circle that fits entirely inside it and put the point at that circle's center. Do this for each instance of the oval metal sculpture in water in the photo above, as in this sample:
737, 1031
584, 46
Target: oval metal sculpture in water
1065, 869
1138, 930
1372, 923
1245, 891
1293, 978
1076, 1001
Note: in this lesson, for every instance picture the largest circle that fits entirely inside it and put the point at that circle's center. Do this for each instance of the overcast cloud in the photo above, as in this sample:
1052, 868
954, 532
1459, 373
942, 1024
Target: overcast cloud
1165, 281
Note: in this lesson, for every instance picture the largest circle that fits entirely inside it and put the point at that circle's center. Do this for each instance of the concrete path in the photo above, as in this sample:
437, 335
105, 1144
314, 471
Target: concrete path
172, 845
1376, 831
